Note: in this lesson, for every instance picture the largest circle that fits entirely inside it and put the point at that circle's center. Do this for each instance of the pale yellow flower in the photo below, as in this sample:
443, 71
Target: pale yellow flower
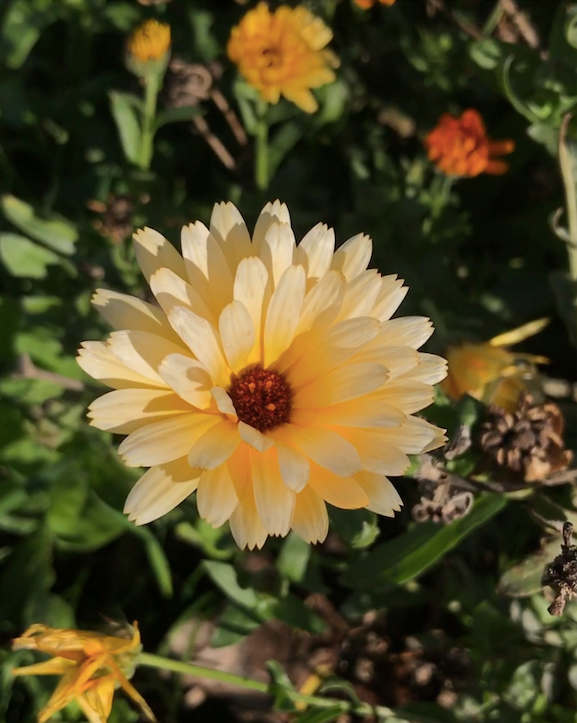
150, 41
271, 380
91, 666
283, 53
489, 371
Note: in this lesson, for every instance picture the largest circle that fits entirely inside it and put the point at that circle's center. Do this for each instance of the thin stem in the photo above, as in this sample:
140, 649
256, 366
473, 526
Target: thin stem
151, 88
569, 183
261, 168
176, 666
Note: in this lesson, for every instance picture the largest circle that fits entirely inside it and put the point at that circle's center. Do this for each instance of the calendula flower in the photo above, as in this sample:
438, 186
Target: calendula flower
366, 4
271, 380
150, 41
489, 371
91, 666
460, 147
283, 53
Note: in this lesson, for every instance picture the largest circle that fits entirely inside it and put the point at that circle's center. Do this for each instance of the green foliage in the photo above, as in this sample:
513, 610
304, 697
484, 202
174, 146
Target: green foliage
86, 157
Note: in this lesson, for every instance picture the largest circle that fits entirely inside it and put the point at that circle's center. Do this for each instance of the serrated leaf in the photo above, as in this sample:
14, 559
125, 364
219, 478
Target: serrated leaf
54, 231
24, 258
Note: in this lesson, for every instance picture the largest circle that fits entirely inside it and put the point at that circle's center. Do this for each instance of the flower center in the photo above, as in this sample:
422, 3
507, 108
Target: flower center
271, 57
262, 398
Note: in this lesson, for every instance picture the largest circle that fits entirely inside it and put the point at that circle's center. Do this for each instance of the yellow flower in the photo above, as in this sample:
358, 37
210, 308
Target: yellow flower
283, 53
92, 665
488, 371
150, 41
271, 379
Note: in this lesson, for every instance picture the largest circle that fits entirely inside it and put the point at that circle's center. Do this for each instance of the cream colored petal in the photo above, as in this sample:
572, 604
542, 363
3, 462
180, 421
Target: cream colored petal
360, 295
376, 453
415, 436
215, 446
294, 466
384, 498
127, 312
165, 441
252, 289
97, 360
431, 369
126, 410
366, 411
224, 402
229, 229
327, 293
143, 352
315, 251
325, 350
207, 268
283, 313
353, 257
188, 378
239, 467
340, 385
160, 490
237, 335
203, 340
170, 290
325, 447
254, 438
278, 249
216, 496
412, 331
245, 524
154, 252
275, 212
407, 395
342, 492
390, 297
310, 518
274, 501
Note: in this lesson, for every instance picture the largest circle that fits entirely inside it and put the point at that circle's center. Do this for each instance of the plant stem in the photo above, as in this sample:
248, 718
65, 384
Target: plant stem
570, 185
177, 666
261, 168
151, 88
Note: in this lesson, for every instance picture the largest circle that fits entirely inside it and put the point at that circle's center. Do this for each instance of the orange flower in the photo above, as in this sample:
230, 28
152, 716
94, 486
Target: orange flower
283, 53
366, 4
460, 147
91, 664
150, 41
488, 371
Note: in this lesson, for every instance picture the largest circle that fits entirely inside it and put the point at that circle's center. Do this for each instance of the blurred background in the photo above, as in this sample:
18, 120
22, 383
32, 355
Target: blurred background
439, 613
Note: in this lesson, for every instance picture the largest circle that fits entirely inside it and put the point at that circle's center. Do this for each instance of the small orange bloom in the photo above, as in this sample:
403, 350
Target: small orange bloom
150, 41
283, 53
366, 4
460, 147
488, 371
91, 666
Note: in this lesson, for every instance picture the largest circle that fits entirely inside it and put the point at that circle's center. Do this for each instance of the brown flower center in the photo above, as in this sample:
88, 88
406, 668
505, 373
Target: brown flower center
262, 398
271, 57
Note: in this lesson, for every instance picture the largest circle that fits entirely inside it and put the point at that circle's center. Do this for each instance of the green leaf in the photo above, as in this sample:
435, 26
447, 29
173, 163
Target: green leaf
224, 576
22, 25
282, 142
279, 687
54, 231
233, 625
410, 555
487, 53
24, 258
122, 106
313, 715
156, 556
292, 611
358, 528
177, 115
524, 579
294, 558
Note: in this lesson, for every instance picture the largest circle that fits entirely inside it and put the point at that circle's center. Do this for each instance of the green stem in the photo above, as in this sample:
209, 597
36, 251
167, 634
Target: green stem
151, 89
570, 185
176, 666
261, 168
493, 20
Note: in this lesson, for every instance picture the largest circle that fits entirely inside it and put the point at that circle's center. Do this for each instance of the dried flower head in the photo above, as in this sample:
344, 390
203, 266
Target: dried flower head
115, 221
528, 443
91, 666
283, 53
460, 147
271, 380
150, 41
561, 574
489, 371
